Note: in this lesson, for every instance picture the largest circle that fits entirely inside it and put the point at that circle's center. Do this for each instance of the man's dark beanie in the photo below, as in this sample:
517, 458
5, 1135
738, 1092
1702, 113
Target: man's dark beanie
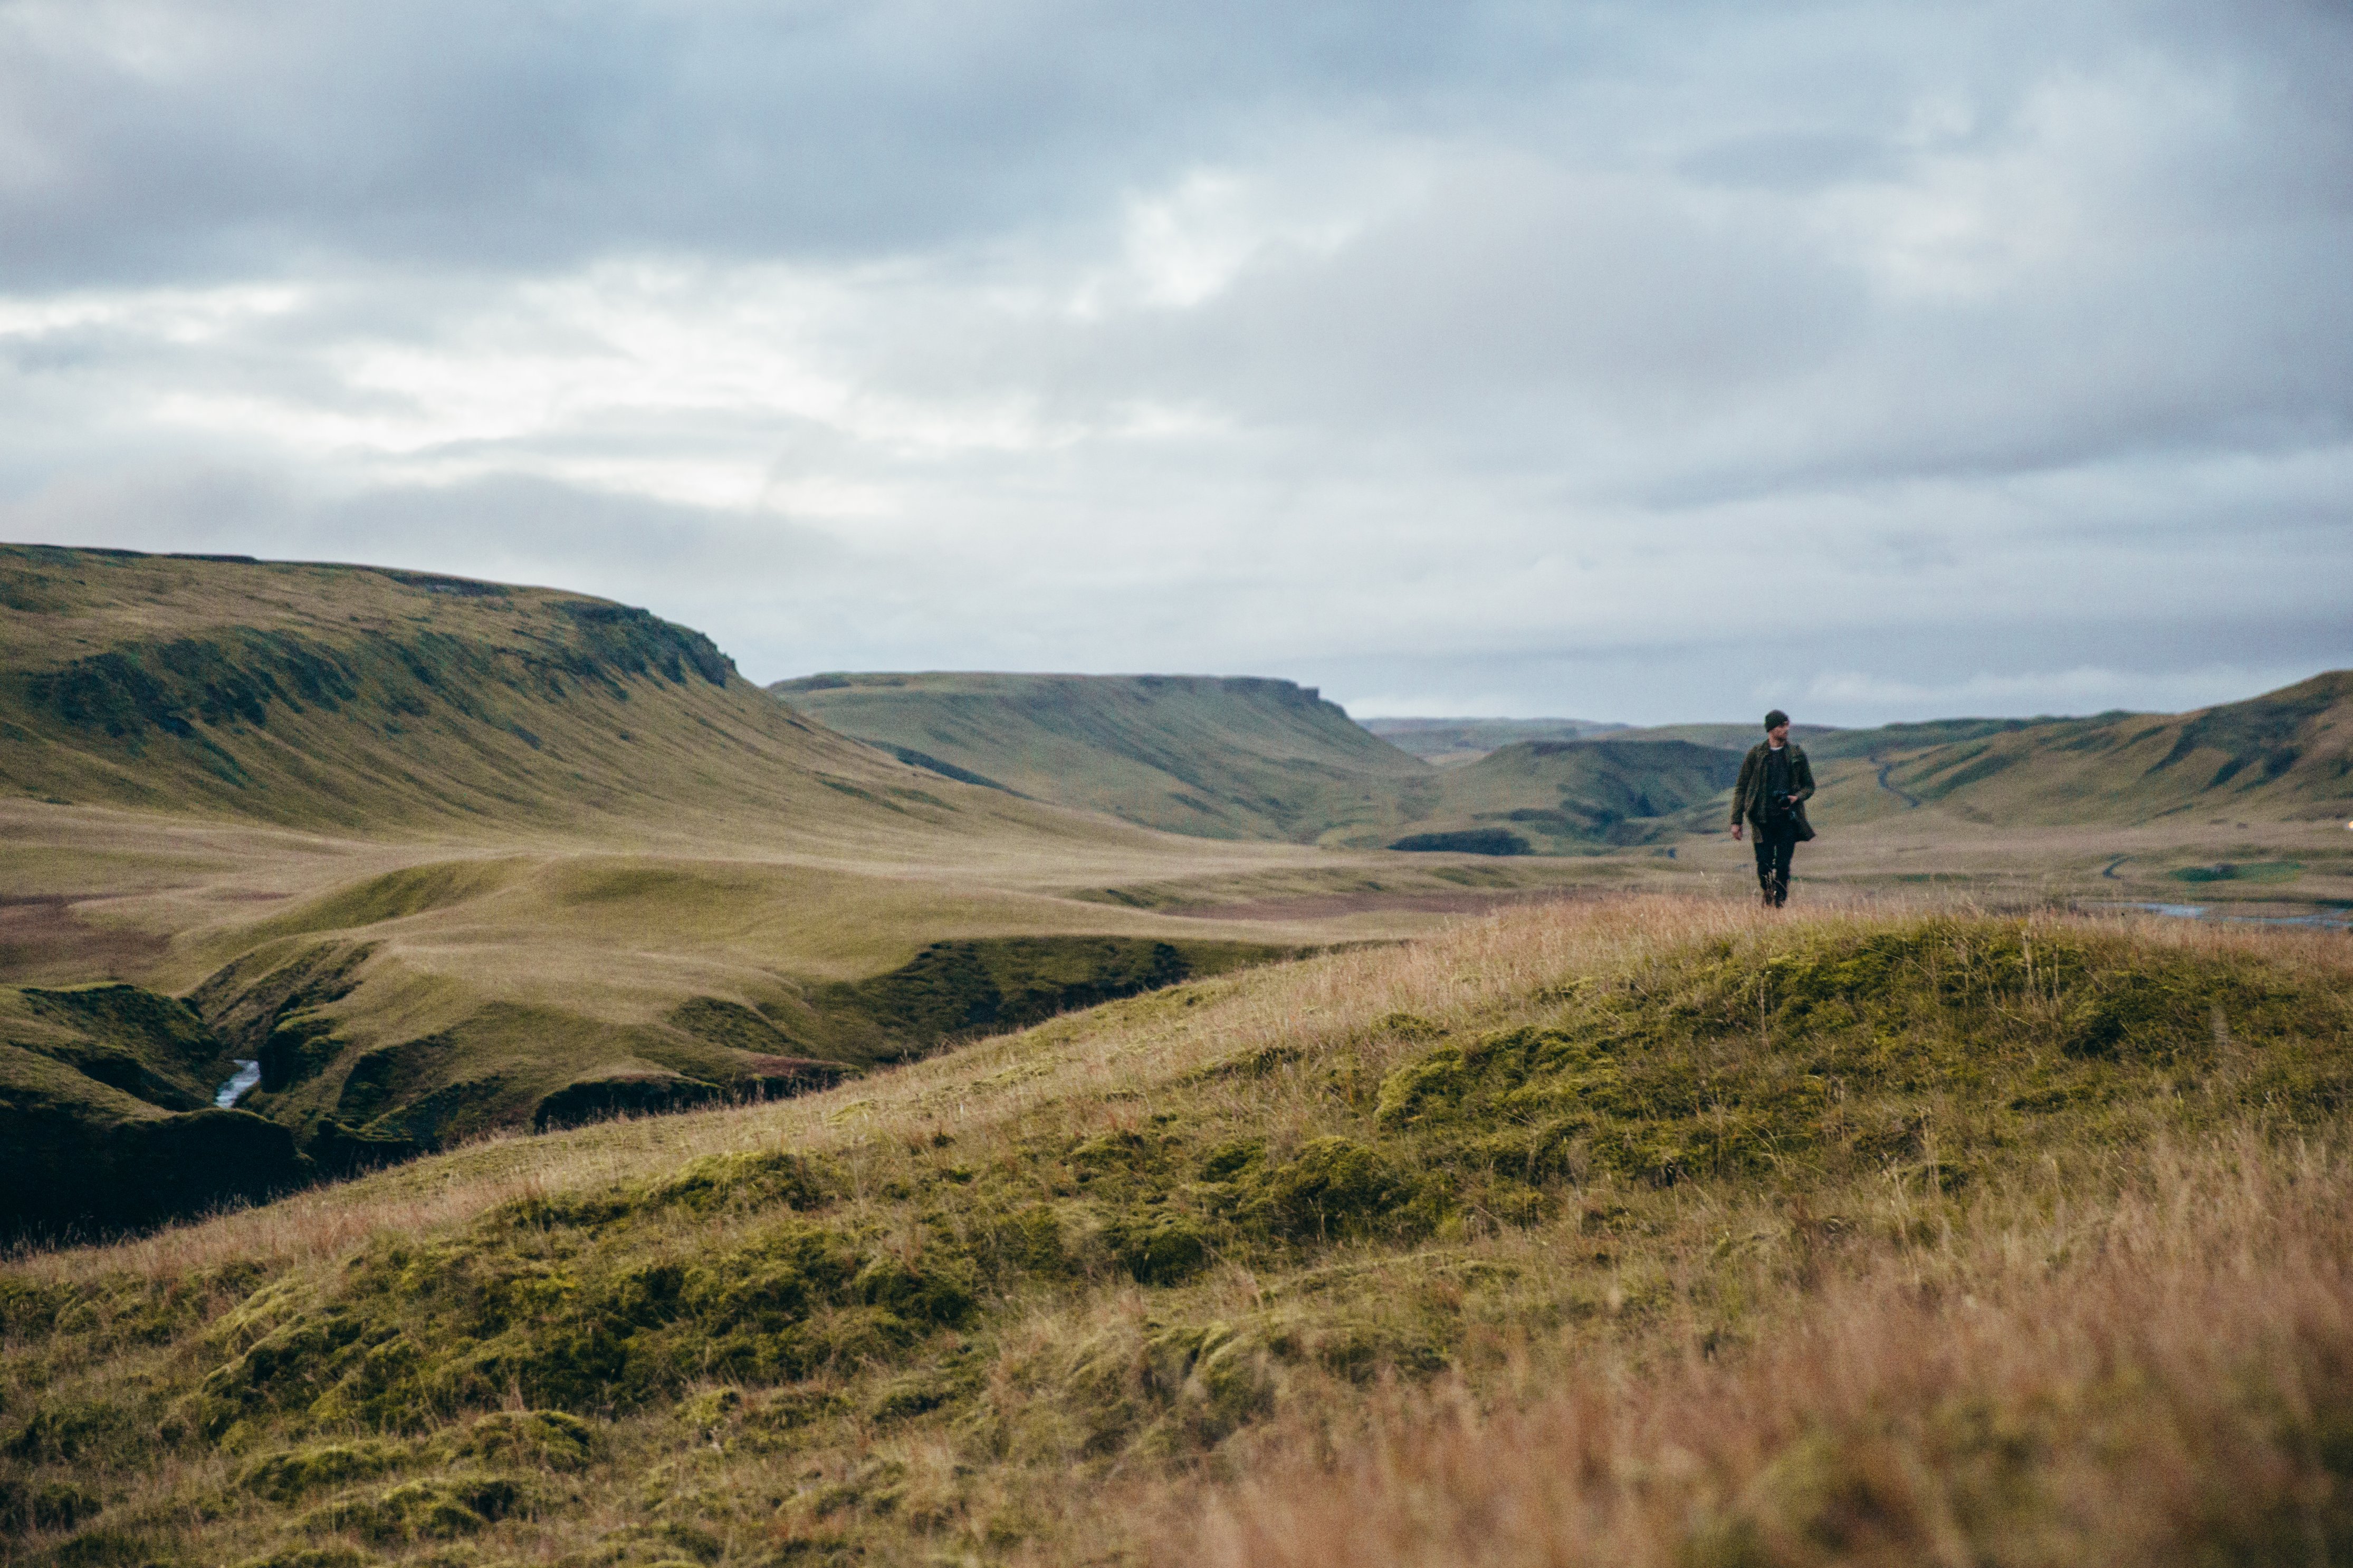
1776, 718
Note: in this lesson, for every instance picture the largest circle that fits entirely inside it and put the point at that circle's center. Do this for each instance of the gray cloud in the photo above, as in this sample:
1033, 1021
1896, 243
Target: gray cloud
159, 138
1448, 356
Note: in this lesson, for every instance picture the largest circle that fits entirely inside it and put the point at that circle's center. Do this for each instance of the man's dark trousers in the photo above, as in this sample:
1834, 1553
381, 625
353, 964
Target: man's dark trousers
1777, 841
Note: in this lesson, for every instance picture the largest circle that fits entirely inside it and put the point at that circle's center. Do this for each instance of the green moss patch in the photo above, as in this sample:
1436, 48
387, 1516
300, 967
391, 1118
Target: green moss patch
560, 1304
908, 1348
1845, 1050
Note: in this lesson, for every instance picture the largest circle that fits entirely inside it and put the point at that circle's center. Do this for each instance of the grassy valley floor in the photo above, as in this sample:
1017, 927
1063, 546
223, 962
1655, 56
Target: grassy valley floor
1627, 1229
403, 992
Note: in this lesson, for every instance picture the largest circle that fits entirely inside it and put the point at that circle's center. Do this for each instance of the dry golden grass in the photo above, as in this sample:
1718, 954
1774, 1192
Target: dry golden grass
1079, 1065
1083, 1065
2167, 1377
2125, 1353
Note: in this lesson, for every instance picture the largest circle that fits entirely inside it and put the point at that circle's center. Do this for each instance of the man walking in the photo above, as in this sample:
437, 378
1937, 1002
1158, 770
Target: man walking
1775, 781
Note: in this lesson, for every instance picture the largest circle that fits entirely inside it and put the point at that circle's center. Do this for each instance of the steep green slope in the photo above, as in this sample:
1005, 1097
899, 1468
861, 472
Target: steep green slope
1195, 754
962, 1317
355, 696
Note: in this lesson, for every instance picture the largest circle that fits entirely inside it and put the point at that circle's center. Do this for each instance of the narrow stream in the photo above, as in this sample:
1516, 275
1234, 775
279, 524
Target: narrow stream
248, 1075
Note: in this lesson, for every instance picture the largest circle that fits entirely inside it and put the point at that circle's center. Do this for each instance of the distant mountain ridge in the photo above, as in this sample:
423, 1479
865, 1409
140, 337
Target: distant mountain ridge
1567, 797
1261, 759
1451, 742
1217, 757
1241, 758
2287, 752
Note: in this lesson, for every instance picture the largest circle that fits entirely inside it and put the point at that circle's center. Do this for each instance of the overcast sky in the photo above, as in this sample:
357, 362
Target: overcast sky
1640, 362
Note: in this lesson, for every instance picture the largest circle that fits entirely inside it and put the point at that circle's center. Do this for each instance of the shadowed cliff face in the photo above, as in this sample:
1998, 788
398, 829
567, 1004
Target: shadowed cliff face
106, 1092
105, 1116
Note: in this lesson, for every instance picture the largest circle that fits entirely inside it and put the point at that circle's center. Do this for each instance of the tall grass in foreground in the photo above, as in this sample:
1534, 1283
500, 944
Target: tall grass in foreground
1642, 1230
2171, 1380
1466, 973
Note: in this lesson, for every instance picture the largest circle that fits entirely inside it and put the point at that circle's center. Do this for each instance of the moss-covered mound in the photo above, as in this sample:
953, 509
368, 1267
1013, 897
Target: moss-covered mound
1935, 1049
1953, 1040
908, 1345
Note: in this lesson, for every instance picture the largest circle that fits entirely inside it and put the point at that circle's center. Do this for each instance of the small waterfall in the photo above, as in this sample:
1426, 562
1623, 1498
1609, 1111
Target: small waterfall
248, 1075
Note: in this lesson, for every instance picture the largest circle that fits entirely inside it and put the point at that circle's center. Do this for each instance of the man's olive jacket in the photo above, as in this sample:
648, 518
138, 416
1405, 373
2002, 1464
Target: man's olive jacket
1748, 795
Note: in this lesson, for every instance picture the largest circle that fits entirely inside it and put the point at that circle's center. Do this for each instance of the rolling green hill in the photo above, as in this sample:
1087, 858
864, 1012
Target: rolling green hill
2285, 755
1743, 1192
1195, 754
1888, 739
2287, 752
323, 695
1731, 737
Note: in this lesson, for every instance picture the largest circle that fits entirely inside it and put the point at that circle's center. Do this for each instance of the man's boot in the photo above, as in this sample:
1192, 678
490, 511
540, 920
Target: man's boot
1765, 890
1780, 894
